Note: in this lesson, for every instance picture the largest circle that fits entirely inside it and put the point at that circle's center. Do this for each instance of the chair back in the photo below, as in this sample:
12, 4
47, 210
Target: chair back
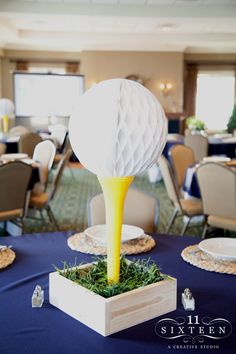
65, 144
169, 180
199, 144
28, 142
2, 148
181, 158
140, 209
14, 181
44, 153
60, 168
58, 133
218, 189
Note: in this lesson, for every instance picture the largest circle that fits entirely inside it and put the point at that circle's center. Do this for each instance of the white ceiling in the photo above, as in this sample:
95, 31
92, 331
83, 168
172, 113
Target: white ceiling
149, 25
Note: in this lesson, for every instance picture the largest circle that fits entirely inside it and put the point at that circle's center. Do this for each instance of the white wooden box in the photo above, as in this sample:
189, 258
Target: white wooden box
107, 316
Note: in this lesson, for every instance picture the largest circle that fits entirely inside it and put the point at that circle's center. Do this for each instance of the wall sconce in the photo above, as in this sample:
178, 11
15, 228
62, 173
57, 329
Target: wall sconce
165, 88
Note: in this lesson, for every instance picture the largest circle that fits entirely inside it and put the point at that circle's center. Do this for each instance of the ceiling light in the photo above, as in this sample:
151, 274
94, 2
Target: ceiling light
38, 22
167, 27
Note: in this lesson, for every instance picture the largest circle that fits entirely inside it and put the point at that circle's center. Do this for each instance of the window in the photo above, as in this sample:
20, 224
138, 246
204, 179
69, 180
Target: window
45, 68
215, 98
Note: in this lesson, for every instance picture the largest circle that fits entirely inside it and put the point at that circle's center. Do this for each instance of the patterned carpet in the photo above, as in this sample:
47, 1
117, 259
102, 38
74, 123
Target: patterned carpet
78, 185
70, 203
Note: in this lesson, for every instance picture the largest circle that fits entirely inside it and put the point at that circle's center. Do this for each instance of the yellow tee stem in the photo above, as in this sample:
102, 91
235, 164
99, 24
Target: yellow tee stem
114, 190
5, 121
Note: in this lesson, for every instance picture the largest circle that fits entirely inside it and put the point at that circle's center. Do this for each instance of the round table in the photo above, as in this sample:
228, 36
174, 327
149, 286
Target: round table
214, 148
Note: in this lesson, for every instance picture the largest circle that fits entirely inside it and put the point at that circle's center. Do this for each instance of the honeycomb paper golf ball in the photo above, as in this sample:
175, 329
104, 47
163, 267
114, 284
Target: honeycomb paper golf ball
6, 107
118, 129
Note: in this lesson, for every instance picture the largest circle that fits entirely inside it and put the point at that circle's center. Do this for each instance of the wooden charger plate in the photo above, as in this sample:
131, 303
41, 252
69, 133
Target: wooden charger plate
231, 163
7, 257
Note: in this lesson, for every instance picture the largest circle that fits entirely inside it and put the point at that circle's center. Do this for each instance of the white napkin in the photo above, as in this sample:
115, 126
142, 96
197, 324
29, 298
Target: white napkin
189, 176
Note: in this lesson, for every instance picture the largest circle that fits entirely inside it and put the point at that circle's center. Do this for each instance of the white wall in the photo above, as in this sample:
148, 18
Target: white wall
152, 67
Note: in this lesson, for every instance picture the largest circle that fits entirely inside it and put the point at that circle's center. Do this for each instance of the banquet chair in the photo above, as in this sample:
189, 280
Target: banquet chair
64, 148
182, 207
41, 201
199, 144
217, 184
44, 153
181, 158
140, 209
58, 134
2, 148
14, 181
28, 142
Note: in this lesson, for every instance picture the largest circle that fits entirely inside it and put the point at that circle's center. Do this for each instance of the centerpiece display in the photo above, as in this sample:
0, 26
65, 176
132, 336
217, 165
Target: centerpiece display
195, 125
118, 130
6, 112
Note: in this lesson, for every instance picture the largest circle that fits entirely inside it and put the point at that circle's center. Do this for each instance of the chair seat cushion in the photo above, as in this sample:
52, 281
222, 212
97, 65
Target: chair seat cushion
191, 207
38, 200
222, 223
11, 214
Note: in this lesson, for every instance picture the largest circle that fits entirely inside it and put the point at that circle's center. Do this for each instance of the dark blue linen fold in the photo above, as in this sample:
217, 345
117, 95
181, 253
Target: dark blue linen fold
47, 330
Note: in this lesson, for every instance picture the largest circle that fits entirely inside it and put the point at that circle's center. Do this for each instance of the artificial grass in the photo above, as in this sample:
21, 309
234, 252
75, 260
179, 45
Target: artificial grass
133, 275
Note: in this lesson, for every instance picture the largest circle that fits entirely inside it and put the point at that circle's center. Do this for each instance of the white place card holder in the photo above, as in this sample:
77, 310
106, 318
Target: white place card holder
188, 300
38, 297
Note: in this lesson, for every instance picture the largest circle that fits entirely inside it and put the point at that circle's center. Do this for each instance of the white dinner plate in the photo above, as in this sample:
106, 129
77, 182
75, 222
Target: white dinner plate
216, 158
220, 247
129, 232
13, 139
222, 136
29, 161
11, 157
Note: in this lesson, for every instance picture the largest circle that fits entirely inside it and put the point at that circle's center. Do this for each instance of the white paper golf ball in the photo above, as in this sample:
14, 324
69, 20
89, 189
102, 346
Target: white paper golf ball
6, 107
118, 129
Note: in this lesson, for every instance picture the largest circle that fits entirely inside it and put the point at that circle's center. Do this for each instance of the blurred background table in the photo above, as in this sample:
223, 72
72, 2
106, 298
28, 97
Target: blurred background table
226, 148
11, 143
191, 186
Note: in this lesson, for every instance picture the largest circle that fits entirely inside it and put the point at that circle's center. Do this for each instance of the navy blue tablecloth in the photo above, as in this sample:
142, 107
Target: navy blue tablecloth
168, 145
11, 146
192, 188
35, 178
227, 149
221, 148
47, 330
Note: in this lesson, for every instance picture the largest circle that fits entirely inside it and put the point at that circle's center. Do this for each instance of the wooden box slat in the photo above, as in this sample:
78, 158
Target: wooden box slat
107, 316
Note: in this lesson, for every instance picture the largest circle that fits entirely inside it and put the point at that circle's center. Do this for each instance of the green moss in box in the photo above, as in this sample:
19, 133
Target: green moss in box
142, 293
133, 275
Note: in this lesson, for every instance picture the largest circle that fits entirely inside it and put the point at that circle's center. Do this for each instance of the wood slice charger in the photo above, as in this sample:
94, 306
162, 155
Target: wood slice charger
7, 257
